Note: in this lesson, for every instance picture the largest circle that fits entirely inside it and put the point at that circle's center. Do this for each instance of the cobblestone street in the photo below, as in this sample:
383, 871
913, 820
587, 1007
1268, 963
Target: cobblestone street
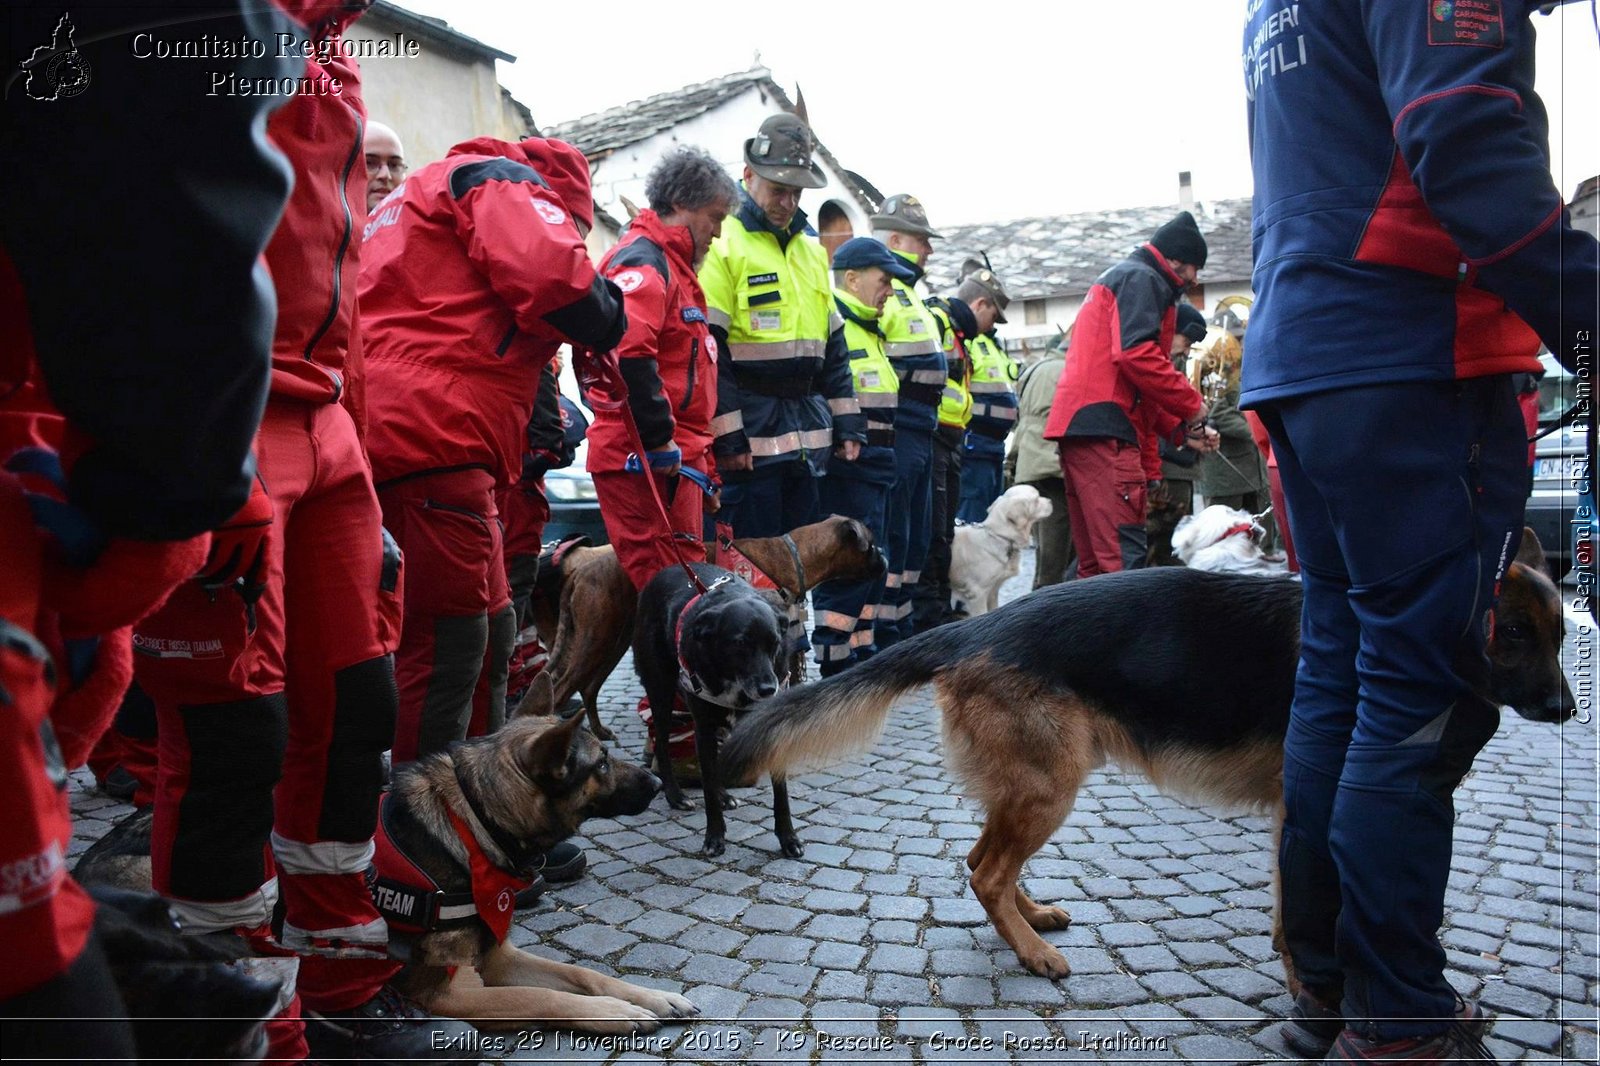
872, 947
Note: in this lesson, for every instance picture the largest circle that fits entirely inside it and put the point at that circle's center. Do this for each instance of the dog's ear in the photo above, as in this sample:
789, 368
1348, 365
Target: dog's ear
859, 535
545, 755
1531, 552
540, 699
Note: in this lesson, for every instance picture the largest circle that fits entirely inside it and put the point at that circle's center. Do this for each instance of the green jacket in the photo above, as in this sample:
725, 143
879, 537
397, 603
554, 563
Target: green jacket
1036, 459
1248, 472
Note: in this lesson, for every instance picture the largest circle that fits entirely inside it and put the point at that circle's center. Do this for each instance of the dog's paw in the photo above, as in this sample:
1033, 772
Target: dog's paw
617, 1016
714, 846
667, 1005
602, 733
1046, 961
728, 801
790, 845
680, 802
1049, 918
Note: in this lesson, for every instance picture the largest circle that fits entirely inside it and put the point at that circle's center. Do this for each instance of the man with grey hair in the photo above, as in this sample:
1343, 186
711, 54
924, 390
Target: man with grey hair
668, 358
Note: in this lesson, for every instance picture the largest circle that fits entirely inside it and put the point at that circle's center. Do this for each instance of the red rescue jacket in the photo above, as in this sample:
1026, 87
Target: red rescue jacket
1120, 358
668, 356
313, 253
473, 273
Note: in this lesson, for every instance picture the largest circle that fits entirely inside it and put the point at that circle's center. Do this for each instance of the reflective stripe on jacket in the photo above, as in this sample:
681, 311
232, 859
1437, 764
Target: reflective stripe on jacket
994, 399
911, 340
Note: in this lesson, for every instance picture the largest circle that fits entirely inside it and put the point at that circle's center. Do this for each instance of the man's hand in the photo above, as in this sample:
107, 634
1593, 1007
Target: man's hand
848, 450
1206, 439
741, 462
667, 461
239, 549
713, 500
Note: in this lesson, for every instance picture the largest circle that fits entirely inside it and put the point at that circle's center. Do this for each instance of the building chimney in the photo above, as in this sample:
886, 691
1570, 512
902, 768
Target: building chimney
1185, 191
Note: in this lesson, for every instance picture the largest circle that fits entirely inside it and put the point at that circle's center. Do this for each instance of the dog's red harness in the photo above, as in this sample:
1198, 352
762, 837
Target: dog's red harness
1247, 528
412, 901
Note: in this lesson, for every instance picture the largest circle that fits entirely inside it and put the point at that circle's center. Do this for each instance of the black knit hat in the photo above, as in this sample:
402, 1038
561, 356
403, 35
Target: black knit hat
1180, 239
1191, 323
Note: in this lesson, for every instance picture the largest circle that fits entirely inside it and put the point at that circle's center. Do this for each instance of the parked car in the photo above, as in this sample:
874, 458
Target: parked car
1558, 468
574, 506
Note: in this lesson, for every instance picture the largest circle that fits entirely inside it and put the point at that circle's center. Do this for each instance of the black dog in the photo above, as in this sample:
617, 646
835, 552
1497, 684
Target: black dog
189, 997
724, 649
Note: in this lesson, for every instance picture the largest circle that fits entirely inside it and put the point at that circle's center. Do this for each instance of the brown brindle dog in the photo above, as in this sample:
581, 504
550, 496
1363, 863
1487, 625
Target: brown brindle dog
585, 605
1118, 668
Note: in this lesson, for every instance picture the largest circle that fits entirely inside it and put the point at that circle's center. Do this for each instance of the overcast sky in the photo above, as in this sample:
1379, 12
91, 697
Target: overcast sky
987, 109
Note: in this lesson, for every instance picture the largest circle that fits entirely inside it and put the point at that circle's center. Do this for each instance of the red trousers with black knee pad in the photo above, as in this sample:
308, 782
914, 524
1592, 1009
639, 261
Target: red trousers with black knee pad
455, 645
273, 718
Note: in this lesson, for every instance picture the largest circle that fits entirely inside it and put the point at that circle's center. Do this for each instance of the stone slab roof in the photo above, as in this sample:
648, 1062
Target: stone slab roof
1061, 255
600, 134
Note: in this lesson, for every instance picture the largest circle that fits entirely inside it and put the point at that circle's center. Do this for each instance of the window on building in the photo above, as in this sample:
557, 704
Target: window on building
1033, 312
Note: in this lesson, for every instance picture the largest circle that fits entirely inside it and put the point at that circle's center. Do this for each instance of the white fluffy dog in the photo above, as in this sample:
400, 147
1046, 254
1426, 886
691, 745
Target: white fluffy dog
1224, 539
985, 554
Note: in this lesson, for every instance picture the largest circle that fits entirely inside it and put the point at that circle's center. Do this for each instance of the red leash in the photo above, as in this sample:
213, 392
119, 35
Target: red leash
605, 389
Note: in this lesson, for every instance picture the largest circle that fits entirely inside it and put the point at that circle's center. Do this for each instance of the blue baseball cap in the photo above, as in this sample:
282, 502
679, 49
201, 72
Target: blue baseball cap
858, 253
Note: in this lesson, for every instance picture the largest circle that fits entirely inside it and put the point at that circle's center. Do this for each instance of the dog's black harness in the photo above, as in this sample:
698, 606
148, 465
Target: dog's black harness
406, 896
410, 899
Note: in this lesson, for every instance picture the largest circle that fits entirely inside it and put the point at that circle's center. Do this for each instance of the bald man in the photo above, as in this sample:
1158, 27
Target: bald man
386, 163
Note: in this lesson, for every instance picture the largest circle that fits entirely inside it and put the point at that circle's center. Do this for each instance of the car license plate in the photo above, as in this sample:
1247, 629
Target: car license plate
1553, 467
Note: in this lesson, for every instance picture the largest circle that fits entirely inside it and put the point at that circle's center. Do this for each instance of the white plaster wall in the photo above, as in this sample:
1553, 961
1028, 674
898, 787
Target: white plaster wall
722, 132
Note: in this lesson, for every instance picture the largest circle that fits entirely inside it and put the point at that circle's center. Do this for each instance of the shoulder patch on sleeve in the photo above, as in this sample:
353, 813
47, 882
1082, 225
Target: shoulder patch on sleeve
640, 253
464, 179
1478, 23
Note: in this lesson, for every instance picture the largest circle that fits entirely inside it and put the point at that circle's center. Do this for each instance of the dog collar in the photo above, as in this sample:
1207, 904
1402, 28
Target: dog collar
526, 858
687, 678
1247, 528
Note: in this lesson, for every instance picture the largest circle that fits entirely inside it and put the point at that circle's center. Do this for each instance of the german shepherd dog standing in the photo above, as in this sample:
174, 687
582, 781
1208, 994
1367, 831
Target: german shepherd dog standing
724, 649
1142, 668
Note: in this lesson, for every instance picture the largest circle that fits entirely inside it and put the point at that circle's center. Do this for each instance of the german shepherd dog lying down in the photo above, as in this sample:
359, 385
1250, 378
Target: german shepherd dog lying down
1120, 668
459, 834
516, 794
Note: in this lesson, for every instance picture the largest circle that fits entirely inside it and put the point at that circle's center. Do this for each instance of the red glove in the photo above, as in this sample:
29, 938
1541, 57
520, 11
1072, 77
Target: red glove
239, 549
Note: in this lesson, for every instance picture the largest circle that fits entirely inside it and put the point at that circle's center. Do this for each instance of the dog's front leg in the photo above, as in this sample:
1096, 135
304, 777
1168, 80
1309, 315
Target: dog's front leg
661, 700
706, 721
788, 839
581, 998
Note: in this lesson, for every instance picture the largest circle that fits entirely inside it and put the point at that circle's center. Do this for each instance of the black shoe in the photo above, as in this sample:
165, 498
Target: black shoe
564, 862
530, 895
119, 784
389, 1028
1312, 1027
1463, 1041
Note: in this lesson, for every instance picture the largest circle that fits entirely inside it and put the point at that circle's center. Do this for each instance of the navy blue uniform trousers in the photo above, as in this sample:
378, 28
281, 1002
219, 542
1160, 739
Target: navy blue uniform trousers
1405, 502
846, 610
910, 526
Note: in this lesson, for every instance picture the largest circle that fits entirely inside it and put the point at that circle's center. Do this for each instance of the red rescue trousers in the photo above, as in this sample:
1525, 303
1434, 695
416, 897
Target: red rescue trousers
273, 717
1106, 491
635, 527
455, 646
45, 917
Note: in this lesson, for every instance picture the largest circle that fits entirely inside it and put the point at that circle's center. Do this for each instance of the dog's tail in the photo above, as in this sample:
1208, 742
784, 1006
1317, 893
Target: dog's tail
812, 725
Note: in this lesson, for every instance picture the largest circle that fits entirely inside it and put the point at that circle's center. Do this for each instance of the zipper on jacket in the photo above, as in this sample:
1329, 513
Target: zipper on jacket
694, 359
429, 504
344, 244
505, 342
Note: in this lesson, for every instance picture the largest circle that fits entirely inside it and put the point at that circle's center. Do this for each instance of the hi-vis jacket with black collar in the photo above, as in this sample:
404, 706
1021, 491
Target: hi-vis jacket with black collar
994, 400
912, 340
877, 390
1420, 206
783, 389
